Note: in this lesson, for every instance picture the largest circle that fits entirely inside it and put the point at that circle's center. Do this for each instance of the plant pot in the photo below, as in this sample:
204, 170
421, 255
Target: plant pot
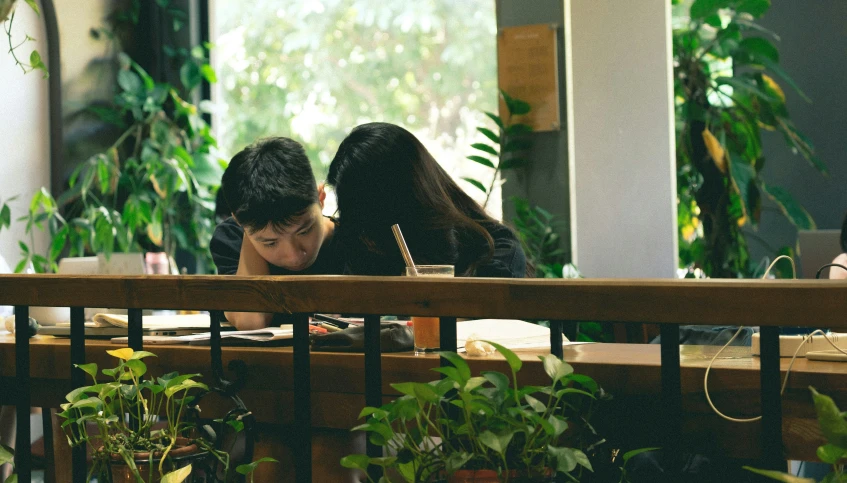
490, 476
181, 455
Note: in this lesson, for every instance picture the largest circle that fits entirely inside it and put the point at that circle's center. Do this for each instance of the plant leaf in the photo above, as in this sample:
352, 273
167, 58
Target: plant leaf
34, 5
829, 453
484, 148
481, 160
831, 421
635, 452
125, 353
177, 476
756, 8
90, 369
137, 367
560, 425
5, 216
495, 118
757, 49
353, 461
535, 404
498, 443
141, 355
701, 9
514, 361
779, 476
248, 468
6, 455
565, 458
130, 82
500, 380
489, 134
476, 183
555, 367
743, 175
792, 210
459, 363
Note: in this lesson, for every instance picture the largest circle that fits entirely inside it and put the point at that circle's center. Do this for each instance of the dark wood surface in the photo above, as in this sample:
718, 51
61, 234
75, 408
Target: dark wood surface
710, 302
629, 372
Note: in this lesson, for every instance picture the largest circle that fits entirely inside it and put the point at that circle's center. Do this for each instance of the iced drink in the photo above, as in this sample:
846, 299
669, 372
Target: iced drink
426, 329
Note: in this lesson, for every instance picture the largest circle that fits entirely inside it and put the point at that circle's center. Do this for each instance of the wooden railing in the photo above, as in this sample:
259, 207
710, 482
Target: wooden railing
769, 304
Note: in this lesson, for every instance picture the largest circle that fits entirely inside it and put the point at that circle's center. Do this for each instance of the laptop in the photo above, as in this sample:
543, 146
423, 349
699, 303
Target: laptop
817, 248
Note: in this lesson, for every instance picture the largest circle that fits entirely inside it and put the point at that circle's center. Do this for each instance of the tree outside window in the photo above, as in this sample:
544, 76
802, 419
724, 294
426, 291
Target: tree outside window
313, 70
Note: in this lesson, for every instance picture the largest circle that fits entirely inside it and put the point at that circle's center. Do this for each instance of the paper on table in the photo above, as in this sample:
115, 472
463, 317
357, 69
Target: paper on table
513, 334
188, 321
259, 335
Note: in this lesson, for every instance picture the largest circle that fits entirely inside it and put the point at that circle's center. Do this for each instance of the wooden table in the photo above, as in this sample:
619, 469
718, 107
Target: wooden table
629, 372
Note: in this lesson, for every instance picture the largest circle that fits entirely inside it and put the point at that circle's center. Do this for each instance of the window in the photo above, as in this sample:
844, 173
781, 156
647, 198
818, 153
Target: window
313, 70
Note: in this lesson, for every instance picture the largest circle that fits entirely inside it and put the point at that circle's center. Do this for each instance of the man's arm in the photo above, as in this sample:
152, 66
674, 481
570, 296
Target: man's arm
250, 263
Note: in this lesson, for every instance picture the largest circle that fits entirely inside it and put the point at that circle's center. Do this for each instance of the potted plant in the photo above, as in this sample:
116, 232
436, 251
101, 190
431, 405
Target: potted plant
485, 428
143, 430
834, 452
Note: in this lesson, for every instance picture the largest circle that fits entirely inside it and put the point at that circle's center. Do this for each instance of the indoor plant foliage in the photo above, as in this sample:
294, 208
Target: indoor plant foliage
727, 88
534, 225
153, 189
7, 16
125, 409
833, 425
485, 422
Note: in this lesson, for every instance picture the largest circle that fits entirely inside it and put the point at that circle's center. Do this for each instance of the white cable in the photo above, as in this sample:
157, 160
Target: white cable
787, 372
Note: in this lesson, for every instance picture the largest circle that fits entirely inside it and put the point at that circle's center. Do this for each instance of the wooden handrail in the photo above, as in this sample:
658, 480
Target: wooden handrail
707, 302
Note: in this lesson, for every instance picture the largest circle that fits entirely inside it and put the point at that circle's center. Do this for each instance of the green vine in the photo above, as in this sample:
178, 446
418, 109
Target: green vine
7, 13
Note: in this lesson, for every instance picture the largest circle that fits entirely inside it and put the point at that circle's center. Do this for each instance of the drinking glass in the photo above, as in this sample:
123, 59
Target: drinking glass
426, 329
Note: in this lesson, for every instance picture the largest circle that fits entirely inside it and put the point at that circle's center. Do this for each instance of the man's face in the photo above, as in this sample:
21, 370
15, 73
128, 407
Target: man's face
296, 246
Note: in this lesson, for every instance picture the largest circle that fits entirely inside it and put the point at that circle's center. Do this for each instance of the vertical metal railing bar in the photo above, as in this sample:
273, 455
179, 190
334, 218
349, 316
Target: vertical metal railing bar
302, 400
49, 455
215, 318
772, 450
556, 338
671, 394
373, 382
23, 449
447, 335
570, 329
78, 463
134, 320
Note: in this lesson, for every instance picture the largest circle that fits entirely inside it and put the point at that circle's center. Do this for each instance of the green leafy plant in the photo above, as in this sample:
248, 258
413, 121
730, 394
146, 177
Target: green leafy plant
125, 409
7, 16
505, 147
485, 422
153, 188
7, 455
536, 228
833, 424
725, 64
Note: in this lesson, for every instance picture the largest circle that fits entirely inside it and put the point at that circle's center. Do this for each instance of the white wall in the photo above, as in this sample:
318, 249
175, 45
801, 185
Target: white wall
24, 143
621, 137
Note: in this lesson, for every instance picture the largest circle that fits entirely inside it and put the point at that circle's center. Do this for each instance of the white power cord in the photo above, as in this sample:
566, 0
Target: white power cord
791, 364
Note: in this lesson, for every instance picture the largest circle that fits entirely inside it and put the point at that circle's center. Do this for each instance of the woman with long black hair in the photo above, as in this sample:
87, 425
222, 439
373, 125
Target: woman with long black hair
382, 175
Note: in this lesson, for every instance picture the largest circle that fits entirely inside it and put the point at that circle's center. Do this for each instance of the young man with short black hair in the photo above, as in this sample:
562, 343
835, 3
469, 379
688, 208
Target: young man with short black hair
277, 227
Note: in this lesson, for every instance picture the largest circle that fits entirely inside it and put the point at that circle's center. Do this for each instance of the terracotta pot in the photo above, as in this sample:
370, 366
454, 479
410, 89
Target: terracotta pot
490, 476
181, 455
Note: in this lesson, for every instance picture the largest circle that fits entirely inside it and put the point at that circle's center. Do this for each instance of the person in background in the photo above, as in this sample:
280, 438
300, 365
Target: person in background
383, 175
276, 227
839, 272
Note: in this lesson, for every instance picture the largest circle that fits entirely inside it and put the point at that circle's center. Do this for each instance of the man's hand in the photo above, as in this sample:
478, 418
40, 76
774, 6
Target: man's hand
250, 263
